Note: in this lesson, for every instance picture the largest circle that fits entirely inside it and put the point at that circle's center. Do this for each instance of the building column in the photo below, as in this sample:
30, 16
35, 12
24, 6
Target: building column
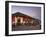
15, 20
21, 20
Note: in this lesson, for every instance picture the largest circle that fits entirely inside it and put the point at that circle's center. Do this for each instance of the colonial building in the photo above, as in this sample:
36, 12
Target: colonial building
23, 19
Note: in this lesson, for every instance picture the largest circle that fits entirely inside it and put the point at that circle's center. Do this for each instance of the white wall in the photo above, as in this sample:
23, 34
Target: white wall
2, 19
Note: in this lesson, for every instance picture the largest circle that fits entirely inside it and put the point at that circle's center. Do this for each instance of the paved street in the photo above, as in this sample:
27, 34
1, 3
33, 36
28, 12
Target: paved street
20, 28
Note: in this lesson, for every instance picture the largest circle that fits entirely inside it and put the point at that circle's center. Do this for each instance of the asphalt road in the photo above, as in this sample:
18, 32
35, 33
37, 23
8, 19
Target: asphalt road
21, 28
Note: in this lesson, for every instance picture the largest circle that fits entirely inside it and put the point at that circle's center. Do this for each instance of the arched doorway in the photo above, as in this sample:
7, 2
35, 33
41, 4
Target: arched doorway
18, 21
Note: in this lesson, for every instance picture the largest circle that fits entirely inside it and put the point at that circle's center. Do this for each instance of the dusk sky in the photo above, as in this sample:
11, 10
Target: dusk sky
34, 12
